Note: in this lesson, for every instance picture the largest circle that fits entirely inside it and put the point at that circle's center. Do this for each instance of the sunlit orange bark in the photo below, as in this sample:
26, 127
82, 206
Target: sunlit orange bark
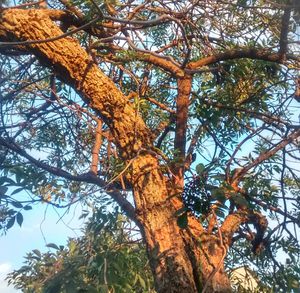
182, 260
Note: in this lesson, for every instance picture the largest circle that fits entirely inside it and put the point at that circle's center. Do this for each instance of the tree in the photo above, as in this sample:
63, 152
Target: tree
105, 259
124, 96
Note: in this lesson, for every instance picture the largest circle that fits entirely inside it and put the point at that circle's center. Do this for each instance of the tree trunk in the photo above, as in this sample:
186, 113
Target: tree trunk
182, 260
173, 271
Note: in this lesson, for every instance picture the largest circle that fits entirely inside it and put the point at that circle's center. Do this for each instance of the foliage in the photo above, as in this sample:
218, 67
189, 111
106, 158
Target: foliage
106, 258
232, 138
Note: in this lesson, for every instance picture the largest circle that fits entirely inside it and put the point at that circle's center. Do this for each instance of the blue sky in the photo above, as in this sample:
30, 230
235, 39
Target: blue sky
41, 225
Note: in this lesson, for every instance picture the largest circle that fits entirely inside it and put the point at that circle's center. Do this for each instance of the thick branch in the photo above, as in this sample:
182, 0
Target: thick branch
182, 108
164, 62
283, 42
251, 53
54, 15
73, 65
231, 224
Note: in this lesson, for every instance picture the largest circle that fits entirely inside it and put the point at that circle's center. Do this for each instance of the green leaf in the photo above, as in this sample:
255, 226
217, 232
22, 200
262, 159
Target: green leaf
37, 252
242, 2
254, 192
239, 200
17, 204
277, 169
24, 269
72, 247
200, 168
141, 281
7, 180
27, 208
10, 222
18, 175
54, 287
17, 190
103, 289
180, 211
220, 211
218, 194
182, 221
3, 190
83, 215
20, 219
52, 245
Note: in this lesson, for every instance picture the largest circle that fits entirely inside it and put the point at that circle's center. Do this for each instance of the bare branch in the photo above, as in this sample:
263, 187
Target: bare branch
283, 42
96, 147
87, 177
251, 53
264, 156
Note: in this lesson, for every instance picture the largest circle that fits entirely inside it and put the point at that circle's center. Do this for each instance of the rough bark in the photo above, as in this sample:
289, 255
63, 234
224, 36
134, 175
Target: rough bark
181, 260
182, 107
172, 267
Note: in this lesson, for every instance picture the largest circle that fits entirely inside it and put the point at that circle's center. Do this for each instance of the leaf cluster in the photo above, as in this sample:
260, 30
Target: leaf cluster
104, 259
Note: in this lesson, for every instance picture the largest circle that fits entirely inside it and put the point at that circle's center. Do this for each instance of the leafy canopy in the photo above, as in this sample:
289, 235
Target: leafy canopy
242, 128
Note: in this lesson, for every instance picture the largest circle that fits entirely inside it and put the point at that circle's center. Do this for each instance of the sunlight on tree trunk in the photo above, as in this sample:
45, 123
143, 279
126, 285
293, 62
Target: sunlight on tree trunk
186, 245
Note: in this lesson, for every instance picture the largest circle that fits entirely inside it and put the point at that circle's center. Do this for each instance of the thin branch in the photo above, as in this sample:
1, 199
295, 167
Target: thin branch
273, 209
96, 147
266, 117
23, 5
166, 63
264, 156
160, 105
72, 8
143, 23
194, 140
87, 177
238, 147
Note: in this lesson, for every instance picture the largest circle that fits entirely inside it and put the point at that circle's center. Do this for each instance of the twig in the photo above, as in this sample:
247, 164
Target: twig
121, 173
87, 177
264, 156
96, 148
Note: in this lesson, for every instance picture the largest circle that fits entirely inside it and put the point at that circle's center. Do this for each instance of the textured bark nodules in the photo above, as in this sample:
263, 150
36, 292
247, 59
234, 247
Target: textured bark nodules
182, 260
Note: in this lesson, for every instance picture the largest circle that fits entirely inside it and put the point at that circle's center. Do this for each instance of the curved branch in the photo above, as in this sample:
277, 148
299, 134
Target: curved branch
251, 53
74, 66
166, 63
231, 224
264, 156
87, 177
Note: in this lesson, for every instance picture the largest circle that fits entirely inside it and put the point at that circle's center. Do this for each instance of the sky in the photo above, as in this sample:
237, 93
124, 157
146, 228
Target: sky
41, 225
